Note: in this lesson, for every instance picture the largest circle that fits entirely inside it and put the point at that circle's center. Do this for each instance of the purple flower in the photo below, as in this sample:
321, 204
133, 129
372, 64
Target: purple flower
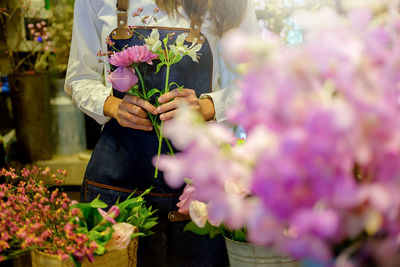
123, 78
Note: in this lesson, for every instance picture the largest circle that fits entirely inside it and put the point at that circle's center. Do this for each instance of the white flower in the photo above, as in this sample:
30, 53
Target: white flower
180, 39
192, 51
153, 42
120, 237
198, 213
178, 48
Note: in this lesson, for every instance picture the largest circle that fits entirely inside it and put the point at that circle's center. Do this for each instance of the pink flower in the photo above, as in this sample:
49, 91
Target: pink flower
120, 237
185, 199
123, 78
112, 213
131, 55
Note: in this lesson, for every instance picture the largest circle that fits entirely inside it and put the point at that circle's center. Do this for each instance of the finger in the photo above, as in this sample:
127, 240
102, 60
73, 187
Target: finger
126, 116
175, 93
176, 103
129, 124
133, 109
168, 115
141, 103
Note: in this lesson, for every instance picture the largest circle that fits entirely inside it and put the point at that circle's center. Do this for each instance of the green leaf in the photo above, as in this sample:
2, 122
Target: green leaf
192, 227
214, 231
150, 225
239, 235
165, 41
152, 92
159, 65
176, 59
177, 86
97, 203
137, 234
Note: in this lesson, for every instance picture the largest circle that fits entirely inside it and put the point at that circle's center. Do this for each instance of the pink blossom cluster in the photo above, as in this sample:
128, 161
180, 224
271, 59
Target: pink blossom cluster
32, 217
39, 33
321, 163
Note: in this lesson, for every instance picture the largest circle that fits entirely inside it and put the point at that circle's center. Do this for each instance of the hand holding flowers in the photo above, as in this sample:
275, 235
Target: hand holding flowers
127, 76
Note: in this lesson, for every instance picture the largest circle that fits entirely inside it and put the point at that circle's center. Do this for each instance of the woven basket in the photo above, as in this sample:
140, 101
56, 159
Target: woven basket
117, 258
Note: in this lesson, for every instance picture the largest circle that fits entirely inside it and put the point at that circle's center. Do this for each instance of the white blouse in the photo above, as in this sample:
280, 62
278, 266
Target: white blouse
93, 22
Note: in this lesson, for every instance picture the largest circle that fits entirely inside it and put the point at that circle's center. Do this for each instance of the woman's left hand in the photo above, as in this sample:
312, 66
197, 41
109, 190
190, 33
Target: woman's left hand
179, 97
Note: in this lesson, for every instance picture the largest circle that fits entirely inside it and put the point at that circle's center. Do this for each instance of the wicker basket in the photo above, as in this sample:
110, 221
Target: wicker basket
117, 258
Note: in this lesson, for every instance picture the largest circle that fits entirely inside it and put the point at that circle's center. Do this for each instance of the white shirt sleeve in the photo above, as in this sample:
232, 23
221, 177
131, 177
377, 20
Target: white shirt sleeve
84, 79
223, 98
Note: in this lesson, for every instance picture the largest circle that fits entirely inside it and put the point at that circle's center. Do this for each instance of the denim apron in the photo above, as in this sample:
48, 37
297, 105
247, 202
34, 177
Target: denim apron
122, 162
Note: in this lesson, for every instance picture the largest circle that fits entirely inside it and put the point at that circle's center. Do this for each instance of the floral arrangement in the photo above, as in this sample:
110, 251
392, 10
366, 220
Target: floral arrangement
35, 217
318, 175
126, 72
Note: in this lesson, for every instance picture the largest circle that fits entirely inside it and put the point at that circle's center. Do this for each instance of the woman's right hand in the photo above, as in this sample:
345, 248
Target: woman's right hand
130, 112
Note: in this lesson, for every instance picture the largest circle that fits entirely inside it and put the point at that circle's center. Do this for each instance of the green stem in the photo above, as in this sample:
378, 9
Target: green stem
153, 121
169, 146
166, 89
141, 80
159, 151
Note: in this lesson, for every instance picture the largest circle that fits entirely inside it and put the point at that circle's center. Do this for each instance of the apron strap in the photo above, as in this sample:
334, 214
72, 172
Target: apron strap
195, 34
122, 31
123, 5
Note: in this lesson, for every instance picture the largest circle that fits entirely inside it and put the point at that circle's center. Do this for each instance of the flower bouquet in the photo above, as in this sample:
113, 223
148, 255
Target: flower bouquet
322, 154
46, 222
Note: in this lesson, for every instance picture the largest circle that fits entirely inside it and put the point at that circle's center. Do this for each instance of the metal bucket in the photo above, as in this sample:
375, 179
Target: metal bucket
67, 123
245, 255
30, 97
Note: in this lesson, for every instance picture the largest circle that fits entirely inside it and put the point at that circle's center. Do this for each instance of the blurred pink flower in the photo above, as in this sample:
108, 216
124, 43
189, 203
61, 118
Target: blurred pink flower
120, 237
123, 78
186, 198
131, 55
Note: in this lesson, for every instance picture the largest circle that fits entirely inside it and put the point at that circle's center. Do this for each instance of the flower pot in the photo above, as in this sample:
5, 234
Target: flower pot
118, 258
67, 123
30, 97
246, 254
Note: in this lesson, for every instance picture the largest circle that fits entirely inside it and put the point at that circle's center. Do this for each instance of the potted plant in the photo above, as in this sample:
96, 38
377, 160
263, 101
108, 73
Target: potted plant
60, 232
321, 154
27, 45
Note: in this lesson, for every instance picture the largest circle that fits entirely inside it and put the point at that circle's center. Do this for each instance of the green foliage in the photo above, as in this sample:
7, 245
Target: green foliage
237, 235
132, 211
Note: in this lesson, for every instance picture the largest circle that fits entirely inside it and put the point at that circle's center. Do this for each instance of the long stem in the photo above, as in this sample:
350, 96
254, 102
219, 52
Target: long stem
166, 88
141, 80
159, 151
160, 137
151, 116
154, 122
